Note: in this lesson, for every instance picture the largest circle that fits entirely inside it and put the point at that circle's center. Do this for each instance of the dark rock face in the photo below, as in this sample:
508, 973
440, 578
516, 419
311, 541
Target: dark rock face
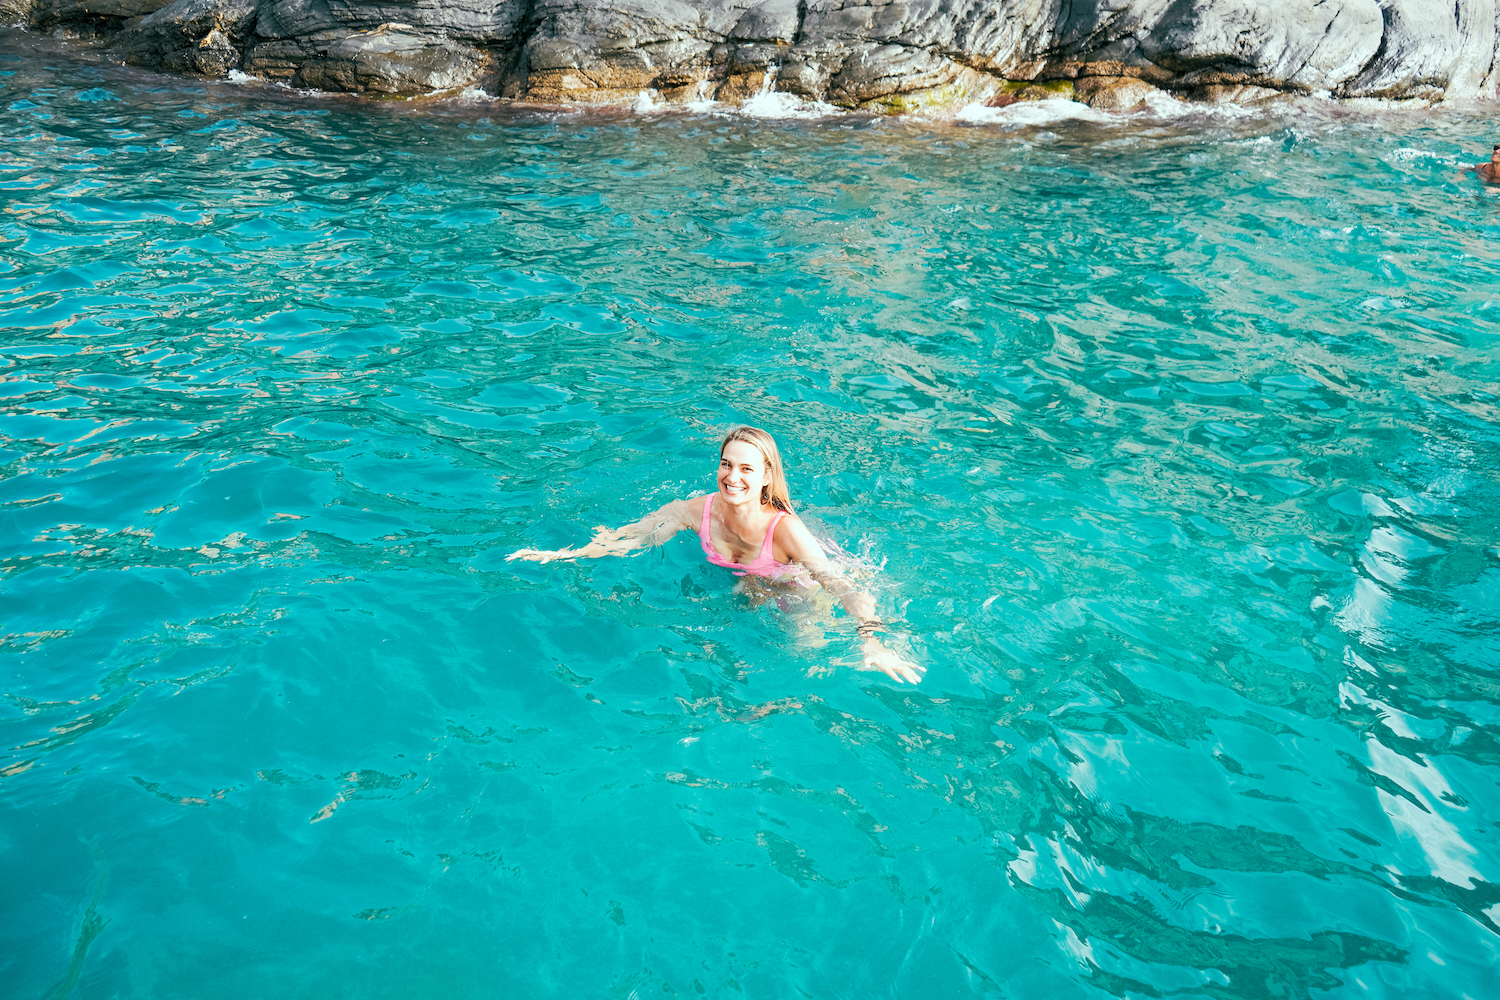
394, 59
191, 36
883, 54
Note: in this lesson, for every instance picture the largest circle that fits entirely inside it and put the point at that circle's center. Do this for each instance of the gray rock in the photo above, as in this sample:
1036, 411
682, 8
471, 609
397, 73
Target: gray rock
582, 49
888, 55
46, 13
394, 59
474, 21
873, 71
770, 21
1430, 47
189, 36
282, 19
1290, 46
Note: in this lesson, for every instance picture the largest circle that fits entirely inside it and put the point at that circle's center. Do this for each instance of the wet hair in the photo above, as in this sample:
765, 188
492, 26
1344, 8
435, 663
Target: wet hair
774, 493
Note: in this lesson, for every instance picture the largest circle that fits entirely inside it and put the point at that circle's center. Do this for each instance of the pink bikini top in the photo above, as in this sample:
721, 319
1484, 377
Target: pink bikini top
764, 564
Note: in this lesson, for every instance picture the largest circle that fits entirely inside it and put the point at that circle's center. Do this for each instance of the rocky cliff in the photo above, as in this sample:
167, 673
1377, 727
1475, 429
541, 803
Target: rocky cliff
882, 54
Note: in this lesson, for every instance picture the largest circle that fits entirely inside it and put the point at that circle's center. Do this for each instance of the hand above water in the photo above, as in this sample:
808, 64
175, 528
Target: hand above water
897, 667
606, 542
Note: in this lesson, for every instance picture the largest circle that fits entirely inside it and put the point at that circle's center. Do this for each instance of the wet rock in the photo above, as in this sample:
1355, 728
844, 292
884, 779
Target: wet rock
1119, 59
216, 55
872, 72
589, 51
1013, 92
1113, 93
18, 11
1241, 94
189, 36
84, 16
893, 55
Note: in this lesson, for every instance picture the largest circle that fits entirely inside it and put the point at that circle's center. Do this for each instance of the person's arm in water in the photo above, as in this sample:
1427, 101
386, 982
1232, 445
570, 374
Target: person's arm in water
653, 529
801, 547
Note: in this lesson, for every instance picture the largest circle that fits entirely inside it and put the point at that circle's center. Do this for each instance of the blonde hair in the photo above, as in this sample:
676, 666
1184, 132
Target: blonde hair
775, 493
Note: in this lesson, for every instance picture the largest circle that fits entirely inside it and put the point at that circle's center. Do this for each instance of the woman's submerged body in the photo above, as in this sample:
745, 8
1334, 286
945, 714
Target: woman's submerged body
747, 526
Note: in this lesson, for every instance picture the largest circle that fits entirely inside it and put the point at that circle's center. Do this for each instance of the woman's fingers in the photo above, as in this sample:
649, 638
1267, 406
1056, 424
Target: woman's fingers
536, 555
897, 668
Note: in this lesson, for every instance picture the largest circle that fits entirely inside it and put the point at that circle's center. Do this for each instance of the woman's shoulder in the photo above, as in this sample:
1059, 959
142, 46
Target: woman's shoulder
795, 540
789, 525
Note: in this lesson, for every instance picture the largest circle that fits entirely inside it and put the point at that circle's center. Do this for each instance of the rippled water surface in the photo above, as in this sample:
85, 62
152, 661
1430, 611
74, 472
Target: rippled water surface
1171, 445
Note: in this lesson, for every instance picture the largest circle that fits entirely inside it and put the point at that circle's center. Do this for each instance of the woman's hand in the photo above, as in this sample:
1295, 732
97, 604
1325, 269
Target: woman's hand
542, 555
892, 664
653, 529
606, 542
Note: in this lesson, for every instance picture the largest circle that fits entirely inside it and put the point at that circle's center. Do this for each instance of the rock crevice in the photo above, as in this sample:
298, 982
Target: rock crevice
889, 55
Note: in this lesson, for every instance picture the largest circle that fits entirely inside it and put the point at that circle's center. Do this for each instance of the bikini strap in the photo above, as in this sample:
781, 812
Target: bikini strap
767, 546
708, 503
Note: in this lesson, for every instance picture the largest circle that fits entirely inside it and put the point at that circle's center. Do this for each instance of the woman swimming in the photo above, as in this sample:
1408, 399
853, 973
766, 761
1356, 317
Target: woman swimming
748, 527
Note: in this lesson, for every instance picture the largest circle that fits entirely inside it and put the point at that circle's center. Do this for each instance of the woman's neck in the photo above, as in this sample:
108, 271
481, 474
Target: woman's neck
745, 519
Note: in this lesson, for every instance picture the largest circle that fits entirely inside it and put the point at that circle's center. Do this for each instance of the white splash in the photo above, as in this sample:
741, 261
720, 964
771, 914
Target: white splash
473, 95
1033, 113
1404, 155
235, 76
644, 105
702, 100
779, 105
1153, 107
771, 103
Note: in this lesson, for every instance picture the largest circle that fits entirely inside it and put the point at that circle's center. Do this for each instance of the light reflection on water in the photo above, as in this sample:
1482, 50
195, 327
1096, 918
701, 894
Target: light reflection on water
1176, 438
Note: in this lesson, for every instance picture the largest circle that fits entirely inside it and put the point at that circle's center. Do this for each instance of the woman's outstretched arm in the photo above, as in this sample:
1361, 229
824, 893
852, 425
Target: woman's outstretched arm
653, 529
802, 548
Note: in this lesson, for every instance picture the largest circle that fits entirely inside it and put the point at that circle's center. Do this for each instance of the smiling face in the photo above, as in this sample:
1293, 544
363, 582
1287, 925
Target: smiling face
743, 472
1495, 155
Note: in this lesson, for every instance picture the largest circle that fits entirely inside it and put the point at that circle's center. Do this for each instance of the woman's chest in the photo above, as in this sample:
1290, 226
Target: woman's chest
742, 546
734, 548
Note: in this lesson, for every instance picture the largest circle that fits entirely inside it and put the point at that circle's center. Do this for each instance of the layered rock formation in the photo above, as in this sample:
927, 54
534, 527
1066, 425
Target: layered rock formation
882, 54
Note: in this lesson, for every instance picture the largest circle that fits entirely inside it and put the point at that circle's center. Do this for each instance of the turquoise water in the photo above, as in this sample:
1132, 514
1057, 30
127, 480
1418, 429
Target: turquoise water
1170, 442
